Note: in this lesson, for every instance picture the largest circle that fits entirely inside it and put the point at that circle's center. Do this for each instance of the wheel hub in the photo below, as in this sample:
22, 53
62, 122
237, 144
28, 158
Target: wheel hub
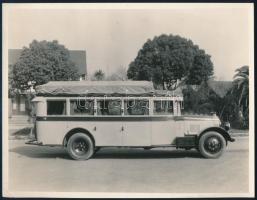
213, 145
80, 146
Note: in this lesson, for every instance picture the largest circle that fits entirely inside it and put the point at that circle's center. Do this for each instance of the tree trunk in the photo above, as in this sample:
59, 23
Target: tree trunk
163, 85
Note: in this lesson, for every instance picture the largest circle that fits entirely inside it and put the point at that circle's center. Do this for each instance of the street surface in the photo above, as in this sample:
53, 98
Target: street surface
39, 169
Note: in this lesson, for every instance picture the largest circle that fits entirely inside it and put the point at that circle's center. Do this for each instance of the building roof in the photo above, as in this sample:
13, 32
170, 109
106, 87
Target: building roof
95, 88
77, 56
221, 88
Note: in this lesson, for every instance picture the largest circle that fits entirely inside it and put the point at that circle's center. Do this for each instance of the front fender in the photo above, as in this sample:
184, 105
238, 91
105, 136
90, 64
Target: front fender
220, 130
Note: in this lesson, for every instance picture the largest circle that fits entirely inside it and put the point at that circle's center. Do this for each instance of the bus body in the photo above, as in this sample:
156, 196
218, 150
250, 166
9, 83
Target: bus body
83, 124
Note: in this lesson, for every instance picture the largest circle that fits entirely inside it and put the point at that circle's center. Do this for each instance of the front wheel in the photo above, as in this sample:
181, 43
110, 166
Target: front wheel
211, 144
80, 146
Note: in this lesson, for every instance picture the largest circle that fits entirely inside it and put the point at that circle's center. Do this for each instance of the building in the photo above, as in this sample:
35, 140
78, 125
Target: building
18, 104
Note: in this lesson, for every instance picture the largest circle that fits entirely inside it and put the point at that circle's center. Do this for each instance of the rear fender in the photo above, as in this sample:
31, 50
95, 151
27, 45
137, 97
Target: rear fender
74, 131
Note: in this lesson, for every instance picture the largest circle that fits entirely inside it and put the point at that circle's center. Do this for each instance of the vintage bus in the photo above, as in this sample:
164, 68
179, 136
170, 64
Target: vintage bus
85, 116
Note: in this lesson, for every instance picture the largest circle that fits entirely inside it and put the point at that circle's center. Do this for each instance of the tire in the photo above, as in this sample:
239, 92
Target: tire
80, 146
211, 144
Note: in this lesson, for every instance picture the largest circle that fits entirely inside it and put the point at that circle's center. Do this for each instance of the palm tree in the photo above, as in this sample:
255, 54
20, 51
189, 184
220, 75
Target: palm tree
99, 75
241, 89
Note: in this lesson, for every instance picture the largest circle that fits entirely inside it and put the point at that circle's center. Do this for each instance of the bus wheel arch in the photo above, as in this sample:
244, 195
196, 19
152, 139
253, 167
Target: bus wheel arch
212, 142
79, 144
74, 131
219, 130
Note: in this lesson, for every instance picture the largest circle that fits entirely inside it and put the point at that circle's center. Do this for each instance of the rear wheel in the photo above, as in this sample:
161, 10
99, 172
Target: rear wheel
211, 144
80, 146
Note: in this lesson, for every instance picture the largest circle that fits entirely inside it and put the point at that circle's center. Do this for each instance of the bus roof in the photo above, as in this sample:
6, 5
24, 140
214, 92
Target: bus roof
95, 88
102, 88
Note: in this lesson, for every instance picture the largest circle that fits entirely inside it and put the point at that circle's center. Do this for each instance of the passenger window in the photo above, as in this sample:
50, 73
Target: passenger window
109, 107
56, 107
163, 107
82, 107
136, 107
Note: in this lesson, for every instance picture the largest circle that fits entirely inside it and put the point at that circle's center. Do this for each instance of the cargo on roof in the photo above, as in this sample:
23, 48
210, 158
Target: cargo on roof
96, 88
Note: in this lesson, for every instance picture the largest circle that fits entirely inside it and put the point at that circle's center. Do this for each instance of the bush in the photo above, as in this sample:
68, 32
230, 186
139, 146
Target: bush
205, 101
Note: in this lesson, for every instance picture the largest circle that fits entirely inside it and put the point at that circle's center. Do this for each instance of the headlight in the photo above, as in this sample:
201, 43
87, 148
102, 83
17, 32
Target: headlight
227, 126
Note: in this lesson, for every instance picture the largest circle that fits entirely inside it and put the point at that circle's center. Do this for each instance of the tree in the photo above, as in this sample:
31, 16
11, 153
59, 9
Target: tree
99, 75
119, 75
241, 91
230, 110
41, 62
241, 83
167, 60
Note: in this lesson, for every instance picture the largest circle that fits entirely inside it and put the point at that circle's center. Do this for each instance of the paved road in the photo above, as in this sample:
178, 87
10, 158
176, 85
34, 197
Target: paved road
33, 168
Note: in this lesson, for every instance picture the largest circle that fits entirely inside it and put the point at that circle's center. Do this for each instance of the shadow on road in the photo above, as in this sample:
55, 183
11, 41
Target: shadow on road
113, 153
41, 152
145, 154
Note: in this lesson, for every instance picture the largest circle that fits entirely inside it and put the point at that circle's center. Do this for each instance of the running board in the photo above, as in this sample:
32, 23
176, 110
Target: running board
34, 142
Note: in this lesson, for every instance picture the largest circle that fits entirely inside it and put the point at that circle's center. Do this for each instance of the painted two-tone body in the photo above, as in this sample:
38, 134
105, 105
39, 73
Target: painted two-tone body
123, 131
60, 119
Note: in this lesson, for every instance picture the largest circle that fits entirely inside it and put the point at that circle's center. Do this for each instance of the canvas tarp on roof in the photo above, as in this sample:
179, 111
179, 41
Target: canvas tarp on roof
89, 88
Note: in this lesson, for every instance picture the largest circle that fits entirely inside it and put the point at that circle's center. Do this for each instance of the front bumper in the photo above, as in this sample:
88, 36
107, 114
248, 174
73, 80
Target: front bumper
231, 139
226, 127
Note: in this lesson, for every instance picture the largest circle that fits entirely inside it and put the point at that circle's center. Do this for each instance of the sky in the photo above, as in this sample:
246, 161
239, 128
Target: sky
112, 35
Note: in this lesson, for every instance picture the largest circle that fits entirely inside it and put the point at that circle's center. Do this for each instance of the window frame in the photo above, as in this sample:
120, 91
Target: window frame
148, 99
55, 100
167, 114
109, 99
122, 99
81, 114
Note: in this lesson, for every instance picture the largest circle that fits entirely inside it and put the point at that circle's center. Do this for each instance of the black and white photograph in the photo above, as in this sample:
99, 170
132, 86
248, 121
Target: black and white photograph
128, 100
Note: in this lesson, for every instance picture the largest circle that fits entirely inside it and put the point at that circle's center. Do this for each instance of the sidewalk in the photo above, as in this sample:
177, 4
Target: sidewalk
19, 127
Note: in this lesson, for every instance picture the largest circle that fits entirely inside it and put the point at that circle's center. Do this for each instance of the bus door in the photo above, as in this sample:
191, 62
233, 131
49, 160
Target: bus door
164, 127
136, 128
109, 125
